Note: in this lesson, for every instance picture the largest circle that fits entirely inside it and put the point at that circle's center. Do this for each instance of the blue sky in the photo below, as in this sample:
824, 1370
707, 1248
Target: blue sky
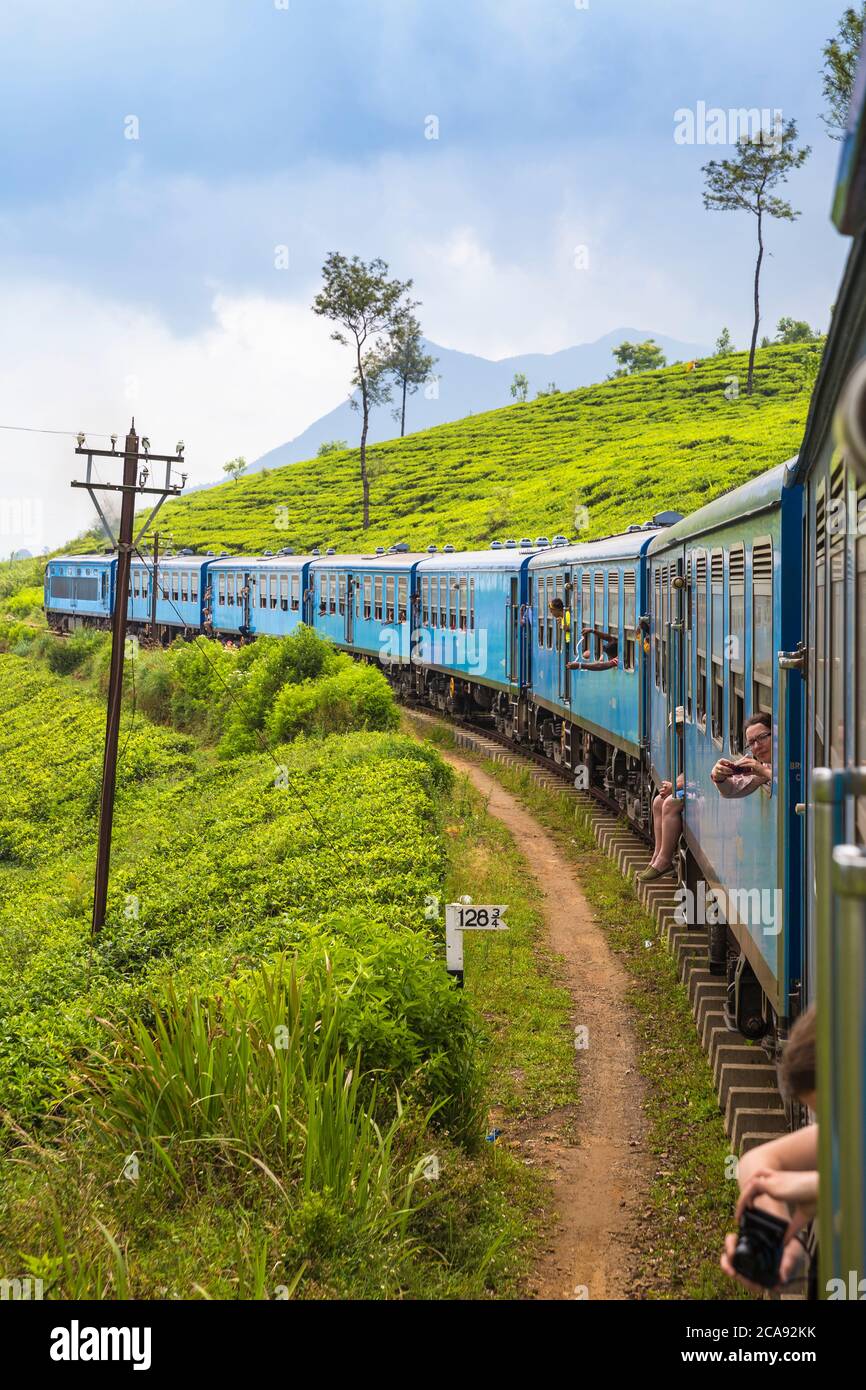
139, 274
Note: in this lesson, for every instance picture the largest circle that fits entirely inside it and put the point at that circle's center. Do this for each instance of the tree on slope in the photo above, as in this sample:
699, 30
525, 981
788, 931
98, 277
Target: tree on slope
724, 344
369, 311
840, 62
795, 331
520, 386
235, 467
745, 184
408, 364
638, 357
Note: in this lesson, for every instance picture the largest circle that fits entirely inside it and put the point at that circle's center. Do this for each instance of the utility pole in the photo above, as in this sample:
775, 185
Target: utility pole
133, 485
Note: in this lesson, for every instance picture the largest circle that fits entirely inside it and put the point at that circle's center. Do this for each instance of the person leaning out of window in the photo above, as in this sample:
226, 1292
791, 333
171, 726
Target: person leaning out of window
746, 775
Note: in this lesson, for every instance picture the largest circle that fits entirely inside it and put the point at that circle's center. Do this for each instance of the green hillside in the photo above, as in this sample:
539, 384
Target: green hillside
623, 450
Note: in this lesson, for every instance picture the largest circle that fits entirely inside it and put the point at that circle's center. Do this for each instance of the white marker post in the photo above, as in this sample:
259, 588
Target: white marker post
468, 916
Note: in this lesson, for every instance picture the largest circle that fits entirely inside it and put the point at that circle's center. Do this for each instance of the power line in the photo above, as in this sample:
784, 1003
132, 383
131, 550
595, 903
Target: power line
35, 429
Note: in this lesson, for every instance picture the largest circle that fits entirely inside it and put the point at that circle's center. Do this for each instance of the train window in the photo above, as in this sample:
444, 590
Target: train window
61, 587
820, 621
548, 616
598, 608
762, 625
284, 593
263, 591
838, 645
136, 583
558, 623
453, 589
174, 585
184, 587
629, 619
425, 596
657, 623
145, 585
377, 598
296, 592
443, 600
402, 598
341, 594
736, 648
272, 585
193, 586
717, 642
368, 596
540, 614
230, 590
87, 590
701, 638
585, 601
860, 647
613, 603
472, 603
389, 599
322, 581
221, 587
463, 614
332, 603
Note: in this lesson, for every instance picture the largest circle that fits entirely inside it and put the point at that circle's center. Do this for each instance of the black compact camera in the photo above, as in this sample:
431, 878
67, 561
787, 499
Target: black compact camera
759, 1247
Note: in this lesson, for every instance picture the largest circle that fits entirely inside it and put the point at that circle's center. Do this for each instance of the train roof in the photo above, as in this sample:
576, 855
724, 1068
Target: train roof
625, 546
511, 558
91, 559
266, 562
760, 494
402, 560
186, 562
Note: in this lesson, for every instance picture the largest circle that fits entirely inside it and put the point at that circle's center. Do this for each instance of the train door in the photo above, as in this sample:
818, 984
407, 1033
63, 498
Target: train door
562, 591
673, 615
350, 609
514, 633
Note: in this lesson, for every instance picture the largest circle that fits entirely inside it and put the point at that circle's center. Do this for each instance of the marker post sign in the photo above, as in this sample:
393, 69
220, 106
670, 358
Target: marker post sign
465, 916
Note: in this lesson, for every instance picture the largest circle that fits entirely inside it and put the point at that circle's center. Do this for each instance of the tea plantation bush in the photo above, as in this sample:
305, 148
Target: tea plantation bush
588, 461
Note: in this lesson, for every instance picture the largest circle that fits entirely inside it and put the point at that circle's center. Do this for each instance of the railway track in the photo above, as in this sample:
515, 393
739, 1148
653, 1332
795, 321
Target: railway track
745, 1075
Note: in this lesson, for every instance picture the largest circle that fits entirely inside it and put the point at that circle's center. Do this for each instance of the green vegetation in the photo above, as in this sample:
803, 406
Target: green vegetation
624, 450
237, 1088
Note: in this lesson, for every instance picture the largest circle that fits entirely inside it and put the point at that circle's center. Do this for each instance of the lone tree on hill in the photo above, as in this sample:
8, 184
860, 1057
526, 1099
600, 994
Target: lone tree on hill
724, 344
370, 310
795, 331
840, 62
235, 468
638, 357
520, 386
331, 446
407, 363
746, 183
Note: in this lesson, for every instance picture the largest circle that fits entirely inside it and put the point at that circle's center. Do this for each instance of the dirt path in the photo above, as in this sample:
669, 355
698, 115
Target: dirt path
600, 1177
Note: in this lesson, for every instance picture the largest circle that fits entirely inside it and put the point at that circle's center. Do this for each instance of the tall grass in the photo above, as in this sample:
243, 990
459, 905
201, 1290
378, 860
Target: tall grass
259, 1076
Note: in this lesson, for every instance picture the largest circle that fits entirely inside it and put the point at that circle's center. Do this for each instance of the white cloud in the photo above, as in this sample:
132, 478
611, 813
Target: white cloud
255, 376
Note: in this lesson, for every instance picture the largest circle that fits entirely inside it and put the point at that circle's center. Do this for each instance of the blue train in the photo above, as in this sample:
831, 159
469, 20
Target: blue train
754, 605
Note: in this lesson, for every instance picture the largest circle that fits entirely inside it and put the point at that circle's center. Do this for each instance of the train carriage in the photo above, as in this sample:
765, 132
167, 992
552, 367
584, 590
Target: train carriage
725, 600
472, 633
79, 591
181, 581
593, 719
364, 603
257, 596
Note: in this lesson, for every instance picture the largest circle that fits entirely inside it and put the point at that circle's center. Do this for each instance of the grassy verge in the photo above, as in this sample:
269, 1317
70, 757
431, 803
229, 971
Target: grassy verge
691, 1200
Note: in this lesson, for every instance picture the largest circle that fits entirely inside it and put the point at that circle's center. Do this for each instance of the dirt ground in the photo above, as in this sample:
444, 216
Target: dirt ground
595, 1158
